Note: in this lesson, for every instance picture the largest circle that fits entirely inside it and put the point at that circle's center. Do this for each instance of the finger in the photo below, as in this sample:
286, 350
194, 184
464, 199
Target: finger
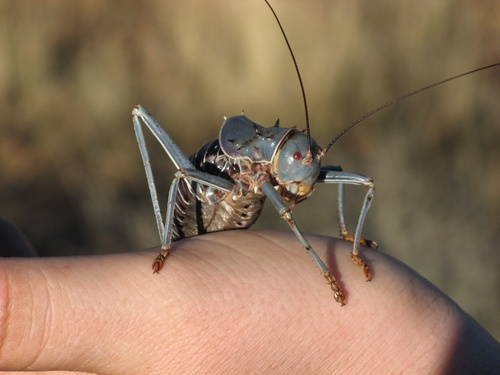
226, 302
111, 313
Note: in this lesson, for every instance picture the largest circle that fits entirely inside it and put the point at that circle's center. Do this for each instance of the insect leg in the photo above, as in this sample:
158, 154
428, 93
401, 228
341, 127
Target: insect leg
166, 240
334, 176
344, 232
186, 170
180, 160
149, 175
286, 213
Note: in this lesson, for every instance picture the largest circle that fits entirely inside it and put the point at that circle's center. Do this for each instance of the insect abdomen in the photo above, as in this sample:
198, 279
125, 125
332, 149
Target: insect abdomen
193, 216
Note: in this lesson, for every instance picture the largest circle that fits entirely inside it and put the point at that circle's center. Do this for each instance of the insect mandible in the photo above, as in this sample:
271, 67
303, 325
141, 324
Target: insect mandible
225, 183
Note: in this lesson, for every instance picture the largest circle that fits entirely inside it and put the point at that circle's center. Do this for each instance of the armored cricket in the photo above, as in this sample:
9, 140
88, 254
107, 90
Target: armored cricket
224, 184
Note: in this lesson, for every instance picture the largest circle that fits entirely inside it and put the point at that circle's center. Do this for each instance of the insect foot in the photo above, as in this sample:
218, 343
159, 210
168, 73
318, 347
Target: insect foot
160, 258
360, 262
337, 293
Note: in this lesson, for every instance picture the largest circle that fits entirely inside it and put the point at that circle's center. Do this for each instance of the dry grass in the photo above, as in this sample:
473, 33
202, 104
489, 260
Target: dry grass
70, 73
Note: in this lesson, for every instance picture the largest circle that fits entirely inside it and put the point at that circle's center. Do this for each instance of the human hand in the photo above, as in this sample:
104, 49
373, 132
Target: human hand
233, 302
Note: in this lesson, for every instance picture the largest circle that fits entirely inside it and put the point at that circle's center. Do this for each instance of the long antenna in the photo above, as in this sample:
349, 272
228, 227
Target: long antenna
308, 129
401, 98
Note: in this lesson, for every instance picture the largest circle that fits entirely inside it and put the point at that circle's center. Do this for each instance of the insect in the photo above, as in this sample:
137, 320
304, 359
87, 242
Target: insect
225, 183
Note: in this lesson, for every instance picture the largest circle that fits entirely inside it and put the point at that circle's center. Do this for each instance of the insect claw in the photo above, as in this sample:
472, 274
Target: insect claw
160, 258
339, 297
157, 264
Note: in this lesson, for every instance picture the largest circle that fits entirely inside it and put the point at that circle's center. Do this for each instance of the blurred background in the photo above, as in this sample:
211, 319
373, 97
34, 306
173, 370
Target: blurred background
71, 176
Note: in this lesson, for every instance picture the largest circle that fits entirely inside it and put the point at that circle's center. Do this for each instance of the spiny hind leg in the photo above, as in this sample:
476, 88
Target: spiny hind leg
185, 170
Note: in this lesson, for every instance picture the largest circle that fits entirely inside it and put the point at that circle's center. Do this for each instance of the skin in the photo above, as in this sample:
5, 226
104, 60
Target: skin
233, 302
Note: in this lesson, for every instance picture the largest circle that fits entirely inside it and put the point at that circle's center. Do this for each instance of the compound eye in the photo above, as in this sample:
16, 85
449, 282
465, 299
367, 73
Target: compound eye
297, 155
